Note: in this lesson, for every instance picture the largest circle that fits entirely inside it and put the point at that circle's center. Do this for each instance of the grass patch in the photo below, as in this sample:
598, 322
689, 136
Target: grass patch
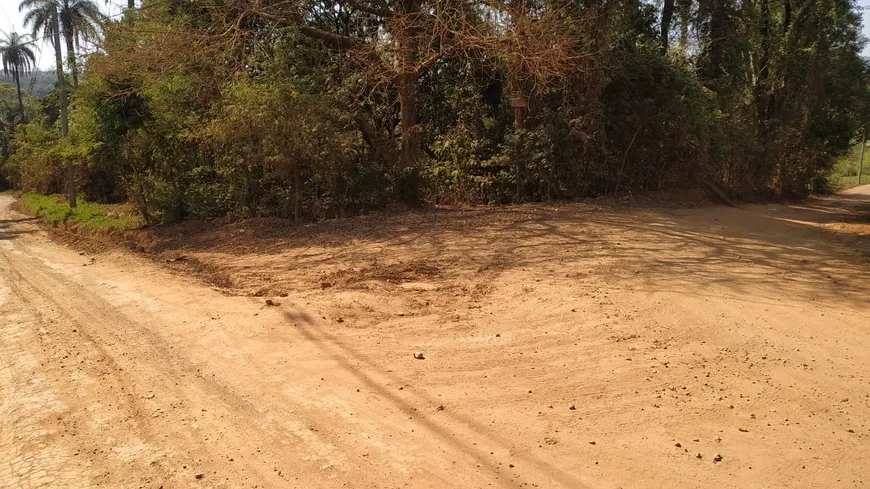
844, 174
87, 216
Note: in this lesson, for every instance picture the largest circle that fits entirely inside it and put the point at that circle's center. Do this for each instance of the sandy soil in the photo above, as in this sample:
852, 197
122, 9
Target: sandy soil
568, 346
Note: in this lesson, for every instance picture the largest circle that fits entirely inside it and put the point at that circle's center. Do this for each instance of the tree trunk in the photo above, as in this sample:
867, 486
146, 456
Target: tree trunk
384, 151
521, 112
685, 7
69, 36
61, 94
667, 15
717, 38
409, 178
762, 89
407, 75
20, 101
408, 114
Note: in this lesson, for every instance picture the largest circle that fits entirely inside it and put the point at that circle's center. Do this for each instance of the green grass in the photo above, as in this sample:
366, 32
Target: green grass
87, 215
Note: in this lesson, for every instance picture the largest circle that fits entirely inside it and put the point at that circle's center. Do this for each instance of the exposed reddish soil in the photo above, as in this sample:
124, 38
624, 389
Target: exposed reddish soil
563, 346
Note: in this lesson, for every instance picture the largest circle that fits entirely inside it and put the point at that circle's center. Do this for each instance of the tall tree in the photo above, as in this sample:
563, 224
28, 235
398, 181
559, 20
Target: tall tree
79, 20
17, 58
667, 16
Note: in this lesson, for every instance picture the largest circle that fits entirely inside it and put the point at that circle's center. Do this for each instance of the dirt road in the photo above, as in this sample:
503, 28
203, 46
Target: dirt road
565, 347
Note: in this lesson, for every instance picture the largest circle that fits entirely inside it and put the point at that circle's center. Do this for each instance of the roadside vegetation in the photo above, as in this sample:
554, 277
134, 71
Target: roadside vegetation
310, 109
844, 174
86, 216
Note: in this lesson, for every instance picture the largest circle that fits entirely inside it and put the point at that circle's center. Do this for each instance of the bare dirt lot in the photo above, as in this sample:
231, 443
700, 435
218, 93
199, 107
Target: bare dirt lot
566, 346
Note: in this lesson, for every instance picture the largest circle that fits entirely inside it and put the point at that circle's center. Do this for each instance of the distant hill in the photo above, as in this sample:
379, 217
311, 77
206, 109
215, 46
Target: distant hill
39, 83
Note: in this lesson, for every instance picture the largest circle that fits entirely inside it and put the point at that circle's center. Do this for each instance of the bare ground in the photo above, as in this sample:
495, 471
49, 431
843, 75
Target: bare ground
565, 347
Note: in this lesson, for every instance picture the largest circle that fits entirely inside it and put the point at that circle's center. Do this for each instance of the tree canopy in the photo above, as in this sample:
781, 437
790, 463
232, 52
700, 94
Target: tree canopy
320, 108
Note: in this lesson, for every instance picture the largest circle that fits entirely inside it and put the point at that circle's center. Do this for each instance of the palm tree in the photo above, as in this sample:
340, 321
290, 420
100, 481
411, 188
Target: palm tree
17, 58
79, 20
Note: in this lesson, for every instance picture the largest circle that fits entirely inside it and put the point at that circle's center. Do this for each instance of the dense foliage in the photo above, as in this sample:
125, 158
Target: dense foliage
321, 108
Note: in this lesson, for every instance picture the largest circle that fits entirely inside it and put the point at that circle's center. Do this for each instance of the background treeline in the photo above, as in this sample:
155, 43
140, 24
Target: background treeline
319, 108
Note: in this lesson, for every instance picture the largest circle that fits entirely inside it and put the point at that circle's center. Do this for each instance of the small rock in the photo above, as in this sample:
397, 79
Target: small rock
592, 442
440, 408
270, 302
699, 456
572, 407
419, 355
339, 320
678, 445
743, 430
199, 476
150, 395
717, 458
325, 285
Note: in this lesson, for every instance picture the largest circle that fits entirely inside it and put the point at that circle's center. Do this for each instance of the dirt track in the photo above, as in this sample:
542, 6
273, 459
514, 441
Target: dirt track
565, 347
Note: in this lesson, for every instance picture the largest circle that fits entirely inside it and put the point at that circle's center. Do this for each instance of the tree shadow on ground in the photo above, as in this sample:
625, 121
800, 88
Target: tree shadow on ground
7, 230
366, 371
818, 248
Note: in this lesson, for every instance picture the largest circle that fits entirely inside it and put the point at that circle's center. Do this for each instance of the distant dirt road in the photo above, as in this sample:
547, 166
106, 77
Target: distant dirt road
565, 346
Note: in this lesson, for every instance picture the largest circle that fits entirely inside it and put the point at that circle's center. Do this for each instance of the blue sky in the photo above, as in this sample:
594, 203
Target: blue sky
11, 19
